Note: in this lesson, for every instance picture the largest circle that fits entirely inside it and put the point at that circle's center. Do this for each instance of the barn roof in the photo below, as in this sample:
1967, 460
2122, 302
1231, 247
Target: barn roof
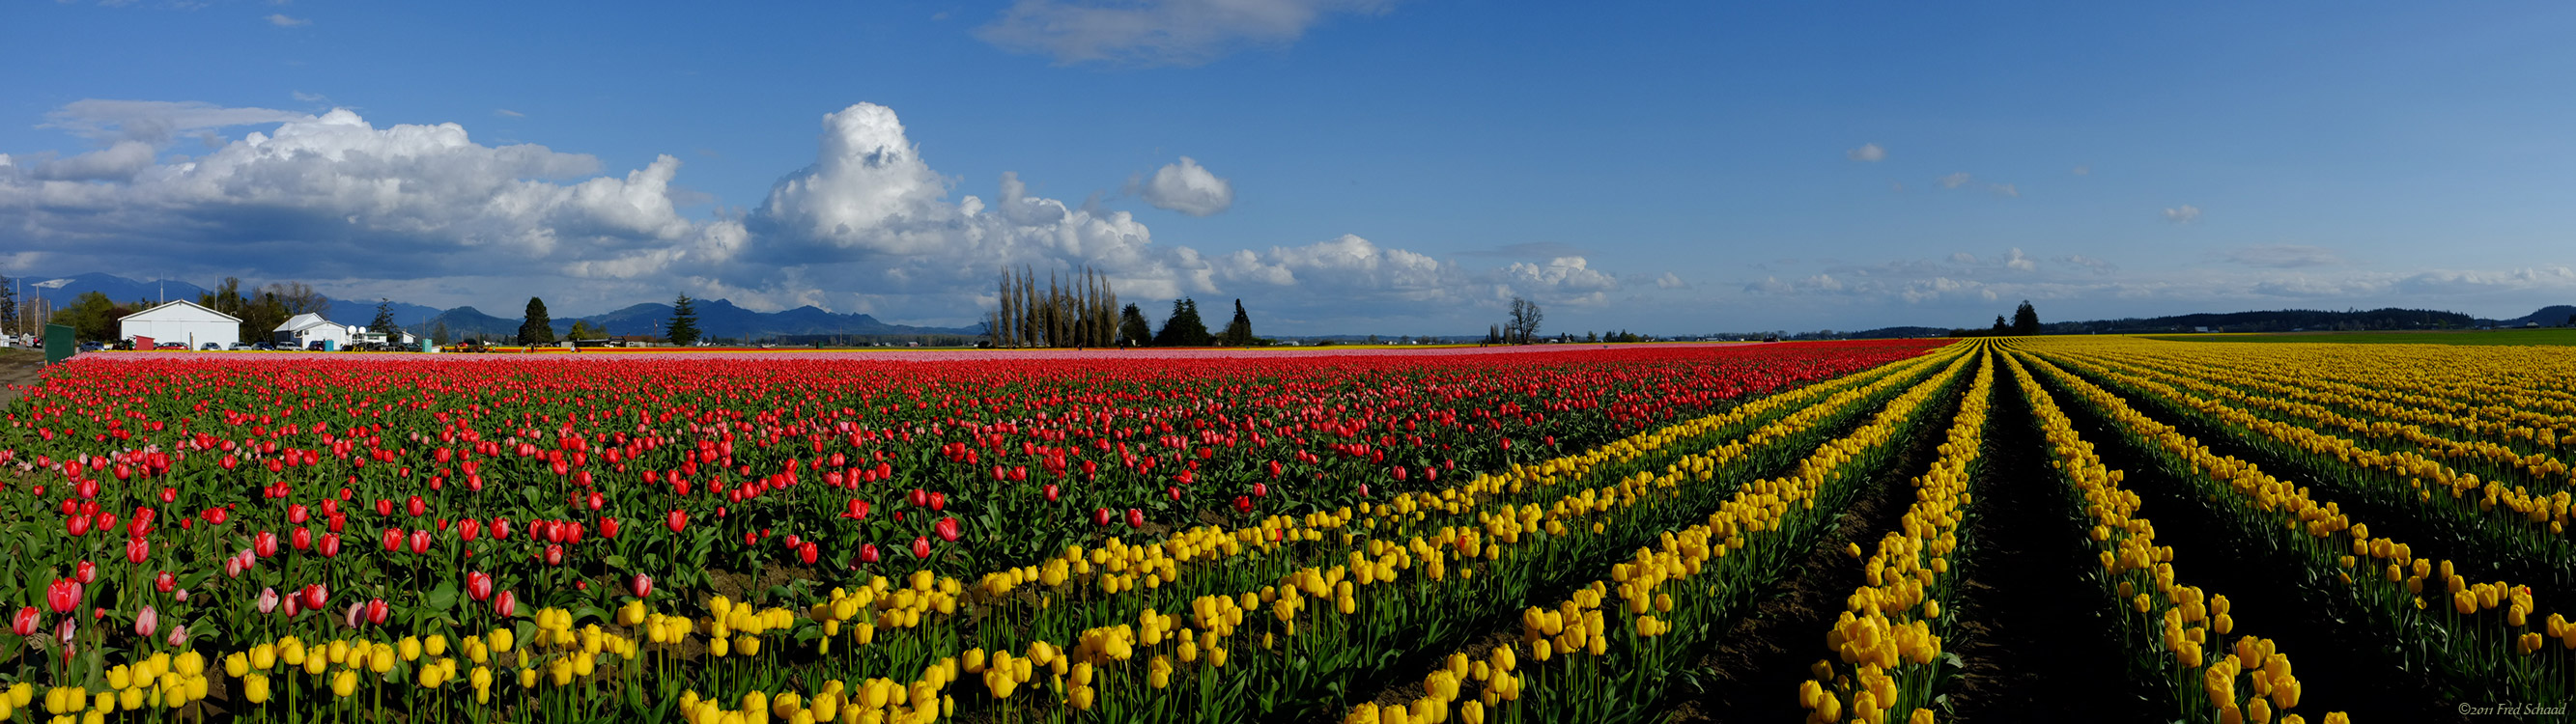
177, 306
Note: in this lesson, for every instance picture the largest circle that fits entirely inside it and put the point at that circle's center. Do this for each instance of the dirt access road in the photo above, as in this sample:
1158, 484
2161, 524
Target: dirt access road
17, 367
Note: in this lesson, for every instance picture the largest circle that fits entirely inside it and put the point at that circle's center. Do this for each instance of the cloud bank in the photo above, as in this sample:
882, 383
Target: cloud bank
427, 213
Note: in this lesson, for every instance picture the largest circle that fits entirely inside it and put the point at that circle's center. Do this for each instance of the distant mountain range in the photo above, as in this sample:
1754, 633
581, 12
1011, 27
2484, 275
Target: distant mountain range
720, 318
716, 317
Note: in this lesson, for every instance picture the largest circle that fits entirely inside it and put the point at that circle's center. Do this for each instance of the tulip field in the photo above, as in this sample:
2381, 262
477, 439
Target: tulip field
1536, 535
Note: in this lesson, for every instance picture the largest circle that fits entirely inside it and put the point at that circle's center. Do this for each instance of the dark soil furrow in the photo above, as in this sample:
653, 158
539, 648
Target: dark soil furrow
2035, 644
2342, 661
1753, 671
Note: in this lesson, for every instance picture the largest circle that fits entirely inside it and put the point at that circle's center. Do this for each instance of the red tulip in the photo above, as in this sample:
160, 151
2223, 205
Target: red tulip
27, 621
858, 510
478, 585
808, 553
302, 538
315, 595
676, 521
393, 540
416, 507
1101, 517
608, 528
921, 547
1243, 504
377, 611
63, 595
137, 549
1135, 518
554, 555
384, 507
868, 553
330, 545
1260, 490
164, 582
504, 604
1052, 491
77, 525
420, 540
141, 525
87, 572
641, 586
469, 529
918, 498
938, 501
263, 544
947, 529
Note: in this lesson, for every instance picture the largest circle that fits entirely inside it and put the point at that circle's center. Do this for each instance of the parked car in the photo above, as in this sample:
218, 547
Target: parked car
210, 347
181, 346
315, 345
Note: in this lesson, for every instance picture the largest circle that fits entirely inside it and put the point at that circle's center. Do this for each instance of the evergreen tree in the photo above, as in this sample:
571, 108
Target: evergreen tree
581, 330
537, 328
2025, 319
1238, 333
2001, 326
684, 321
1132, 328
384, 322
1183, 328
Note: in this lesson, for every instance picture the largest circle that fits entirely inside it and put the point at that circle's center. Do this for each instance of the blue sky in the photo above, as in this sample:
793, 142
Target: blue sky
1353, 165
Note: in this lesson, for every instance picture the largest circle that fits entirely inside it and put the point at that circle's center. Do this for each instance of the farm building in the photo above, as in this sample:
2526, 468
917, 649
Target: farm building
307, 328
181, 321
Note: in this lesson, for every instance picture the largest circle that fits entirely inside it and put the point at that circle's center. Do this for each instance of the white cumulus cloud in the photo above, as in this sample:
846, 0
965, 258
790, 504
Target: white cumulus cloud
1955, 180
281, 20
1868, 152
1189, 188
2183, 214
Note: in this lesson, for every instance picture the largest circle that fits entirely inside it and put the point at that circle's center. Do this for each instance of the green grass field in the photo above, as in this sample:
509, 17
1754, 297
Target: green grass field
2546, 336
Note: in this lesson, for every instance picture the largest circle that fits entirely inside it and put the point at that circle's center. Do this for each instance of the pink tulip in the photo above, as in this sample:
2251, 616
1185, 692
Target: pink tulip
267, 600
146, 621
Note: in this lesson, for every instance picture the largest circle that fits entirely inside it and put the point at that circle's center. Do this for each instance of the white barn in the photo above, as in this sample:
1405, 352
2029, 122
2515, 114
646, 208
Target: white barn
182, 321
307, 328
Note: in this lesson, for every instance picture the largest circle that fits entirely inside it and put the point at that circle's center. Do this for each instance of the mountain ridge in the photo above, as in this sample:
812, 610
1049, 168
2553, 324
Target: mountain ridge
716, 317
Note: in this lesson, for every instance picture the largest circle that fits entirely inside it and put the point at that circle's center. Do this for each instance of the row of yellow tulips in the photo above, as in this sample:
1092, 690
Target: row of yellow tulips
2307, 406
1574, 664
2504, 522
2497, 396
2174, 627
2479, 637
1887, 644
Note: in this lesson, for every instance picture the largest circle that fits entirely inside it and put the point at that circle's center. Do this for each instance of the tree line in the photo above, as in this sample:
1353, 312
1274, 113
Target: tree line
1077, 314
